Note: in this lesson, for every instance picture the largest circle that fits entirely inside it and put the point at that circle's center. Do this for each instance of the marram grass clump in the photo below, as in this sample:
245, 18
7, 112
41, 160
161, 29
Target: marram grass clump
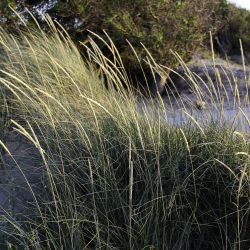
114, 178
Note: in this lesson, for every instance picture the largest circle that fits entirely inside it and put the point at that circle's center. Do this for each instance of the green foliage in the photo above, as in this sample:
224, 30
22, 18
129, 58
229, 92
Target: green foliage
237, 27
161, 25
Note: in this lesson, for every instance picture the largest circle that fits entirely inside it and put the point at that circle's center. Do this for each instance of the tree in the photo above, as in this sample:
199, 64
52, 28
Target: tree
161, 26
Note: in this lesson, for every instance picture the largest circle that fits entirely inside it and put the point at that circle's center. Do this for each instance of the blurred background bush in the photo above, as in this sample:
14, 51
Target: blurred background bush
162, 25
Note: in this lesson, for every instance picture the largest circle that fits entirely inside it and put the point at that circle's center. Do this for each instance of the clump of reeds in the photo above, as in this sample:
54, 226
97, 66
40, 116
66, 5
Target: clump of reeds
114, 177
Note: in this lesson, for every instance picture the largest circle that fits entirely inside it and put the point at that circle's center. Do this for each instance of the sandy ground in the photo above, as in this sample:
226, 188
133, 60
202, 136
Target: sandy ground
207, 91
209, 83
19, 173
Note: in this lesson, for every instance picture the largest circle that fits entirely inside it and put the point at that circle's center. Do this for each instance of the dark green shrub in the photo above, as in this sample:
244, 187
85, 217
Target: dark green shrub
237, 27
161, 25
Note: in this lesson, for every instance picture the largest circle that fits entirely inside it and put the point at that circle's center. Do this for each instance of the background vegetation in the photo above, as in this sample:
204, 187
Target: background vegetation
236, 28
161, 25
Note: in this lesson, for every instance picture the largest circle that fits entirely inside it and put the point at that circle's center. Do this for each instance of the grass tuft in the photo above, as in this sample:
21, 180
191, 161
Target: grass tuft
115, 173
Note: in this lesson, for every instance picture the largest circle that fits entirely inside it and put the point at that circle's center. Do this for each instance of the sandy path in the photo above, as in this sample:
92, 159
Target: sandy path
15, 193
